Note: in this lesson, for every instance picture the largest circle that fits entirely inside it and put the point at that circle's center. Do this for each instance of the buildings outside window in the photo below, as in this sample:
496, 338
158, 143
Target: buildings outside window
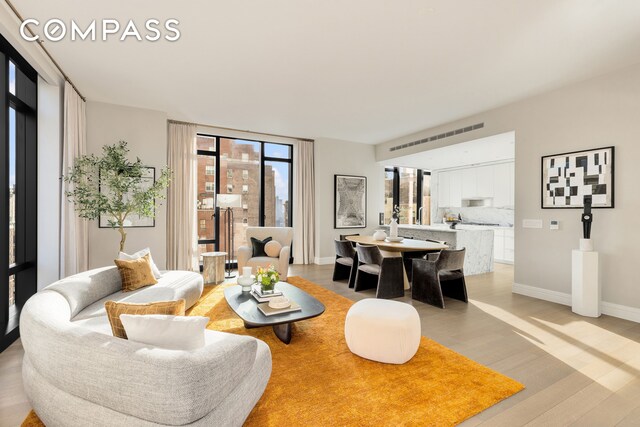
263, 182
210, 170
409, 189
210, 187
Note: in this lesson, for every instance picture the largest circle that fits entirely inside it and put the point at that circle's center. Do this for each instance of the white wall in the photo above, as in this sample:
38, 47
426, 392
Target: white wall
146, 134
348, 158
50, 118
598, 112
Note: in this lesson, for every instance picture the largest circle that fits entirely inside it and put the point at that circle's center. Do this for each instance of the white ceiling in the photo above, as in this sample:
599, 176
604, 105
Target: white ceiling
483, 150
358, 70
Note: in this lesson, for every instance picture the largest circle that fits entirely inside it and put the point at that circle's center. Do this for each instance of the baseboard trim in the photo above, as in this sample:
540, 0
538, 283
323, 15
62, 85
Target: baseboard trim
324, 261
543, 294
610, 309
621, 311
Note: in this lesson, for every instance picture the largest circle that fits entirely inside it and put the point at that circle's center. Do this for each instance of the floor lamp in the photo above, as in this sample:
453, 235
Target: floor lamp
228, 202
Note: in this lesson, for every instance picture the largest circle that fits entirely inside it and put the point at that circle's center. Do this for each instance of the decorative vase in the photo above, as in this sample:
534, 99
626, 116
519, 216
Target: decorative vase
393, 228
246, 283
380, 235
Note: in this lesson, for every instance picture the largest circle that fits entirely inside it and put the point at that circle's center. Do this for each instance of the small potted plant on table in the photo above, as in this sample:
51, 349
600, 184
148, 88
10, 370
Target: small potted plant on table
267, 278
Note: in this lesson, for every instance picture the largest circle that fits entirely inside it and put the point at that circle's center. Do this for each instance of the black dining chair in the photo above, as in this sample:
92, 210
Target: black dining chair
383, 273
346, 262
435, 279
344, 237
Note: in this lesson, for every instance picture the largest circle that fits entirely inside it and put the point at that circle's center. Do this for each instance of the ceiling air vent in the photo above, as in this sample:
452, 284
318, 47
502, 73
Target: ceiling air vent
436, 137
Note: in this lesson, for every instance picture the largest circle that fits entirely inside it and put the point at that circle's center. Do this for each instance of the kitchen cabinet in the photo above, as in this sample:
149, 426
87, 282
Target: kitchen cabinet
484, 181
443, 189
455, 189
503, 245
492, 182
469, 182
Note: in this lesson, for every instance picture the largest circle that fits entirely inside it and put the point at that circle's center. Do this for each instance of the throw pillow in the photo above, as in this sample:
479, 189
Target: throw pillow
135, 274
258, 246
140, 254
172, 332
273, 249
116, 309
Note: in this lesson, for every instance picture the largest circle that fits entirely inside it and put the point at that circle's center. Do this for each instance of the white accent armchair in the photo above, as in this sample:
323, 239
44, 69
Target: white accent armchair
282, 235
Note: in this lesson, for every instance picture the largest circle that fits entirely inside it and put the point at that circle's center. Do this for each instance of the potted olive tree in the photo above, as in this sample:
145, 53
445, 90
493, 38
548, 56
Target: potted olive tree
114, 186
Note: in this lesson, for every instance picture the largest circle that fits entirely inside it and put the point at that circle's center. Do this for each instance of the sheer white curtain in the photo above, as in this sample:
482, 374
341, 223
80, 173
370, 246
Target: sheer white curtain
74, 231
304, 206
182, 238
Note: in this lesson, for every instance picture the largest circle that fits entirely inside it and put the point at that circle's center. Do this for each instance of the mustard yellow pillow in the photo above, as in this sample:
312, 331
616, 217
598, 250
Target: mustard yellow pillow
115, 309
135, 274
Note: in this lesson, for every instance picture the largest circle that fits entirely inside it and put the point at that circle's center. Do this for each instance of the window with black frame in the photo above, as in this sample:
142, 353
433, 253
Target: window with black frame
18, 158
259, 172
410, 190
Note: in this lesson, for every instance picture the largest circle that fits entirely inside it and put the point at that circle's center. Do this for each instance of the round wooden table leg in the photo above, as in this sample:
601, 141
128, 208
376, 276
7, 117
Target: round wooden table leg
283, 332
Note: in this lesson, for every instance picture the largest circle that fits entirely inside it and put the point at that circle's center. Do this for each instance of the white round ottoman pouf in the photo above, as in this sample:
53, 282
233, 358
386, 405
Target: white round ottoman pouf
383, 330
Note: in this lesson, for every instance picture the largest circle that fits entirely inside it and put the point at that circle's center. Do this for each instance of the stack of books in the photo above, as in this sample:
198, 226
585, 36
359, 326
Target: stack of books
256, 292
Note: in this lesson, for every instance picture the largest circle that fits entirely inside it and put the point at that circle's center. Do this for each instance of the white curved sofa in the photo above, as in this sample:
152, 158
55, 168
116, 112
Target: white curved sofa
76, 373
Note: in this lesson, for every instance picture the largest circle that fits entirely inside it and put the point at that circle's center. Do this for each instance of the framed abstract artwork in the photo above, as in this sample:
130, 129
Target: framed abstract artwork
133, 220
350, 201
568, 177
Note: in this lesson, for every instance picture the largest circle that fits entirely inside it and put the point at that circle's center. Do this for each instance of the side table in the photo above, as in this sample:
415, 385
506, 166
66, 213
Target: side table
213, 267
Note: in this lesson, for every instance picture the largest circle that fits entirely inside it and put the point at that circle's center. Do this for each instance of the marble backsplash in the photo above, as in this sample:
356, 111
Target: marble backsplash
482, 215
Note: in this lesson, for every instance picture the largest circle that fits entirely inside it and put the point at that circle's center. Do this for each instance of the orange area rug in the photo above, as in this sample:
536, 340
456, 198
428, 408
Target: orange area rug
317, 381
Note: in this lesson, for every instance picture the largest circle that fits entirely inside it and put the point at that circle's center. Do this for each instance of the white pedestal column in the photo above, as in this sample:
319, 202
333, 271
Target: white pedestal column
585, 285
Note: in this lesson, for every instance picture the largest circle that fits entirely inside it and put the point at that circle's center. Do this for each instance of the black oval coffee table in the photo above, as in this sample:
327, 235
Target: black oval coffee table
246, 307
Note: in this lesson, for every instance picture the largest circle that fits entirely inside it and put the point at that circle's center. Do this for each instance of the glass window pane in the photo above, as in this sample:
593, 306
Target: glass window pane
12, 186
408, 196
12, 290
388, 195
12, 78
276, 194
279, 151
206, 197
426, 199
206, 143
237, 156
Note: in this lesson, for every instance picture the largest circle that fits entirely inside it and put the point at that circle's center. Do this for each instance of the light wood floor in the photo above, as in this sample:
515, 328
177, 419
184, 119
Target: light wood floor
577, 371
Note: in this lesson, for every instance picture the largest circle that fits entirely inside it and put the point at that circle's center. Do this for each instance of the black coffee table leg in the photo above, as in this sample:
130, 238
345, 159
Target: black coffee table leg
283, 332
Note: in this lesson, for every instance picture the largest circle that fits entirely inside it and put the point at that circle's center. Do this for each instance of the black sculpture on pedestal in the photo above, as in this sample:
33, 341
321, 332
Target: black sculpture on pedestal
587, 218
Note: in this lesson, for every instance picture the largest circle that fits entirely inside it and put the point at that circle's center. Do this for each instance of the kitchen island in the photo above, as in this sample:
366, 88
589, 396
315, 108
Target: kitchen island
477, 240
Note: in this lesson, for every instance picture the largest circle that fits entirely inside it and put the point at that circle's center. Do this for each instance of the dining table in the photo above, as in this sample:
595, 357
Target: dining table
400, 249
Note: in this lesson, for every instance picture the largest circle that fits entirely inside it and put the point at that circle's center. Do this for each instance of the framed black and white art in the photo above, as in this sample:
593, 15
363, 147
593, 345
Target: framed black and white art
568, 177
350, 201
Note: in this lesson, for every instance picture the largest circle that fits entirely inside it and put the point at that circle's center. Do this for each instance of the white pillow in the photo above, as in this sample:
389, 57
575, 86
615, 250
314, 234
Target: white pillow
272, 249
160, 330
140, 254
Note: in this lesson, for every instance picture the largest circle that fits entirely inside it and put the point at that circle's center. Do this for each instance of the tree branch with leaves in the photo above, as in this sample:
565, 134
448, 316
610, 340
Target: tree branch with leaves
112, 185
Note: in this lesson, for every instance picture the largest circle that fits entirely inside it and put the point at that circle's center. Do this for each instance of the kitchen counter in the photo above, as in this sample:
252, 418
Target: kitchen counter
478, 241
